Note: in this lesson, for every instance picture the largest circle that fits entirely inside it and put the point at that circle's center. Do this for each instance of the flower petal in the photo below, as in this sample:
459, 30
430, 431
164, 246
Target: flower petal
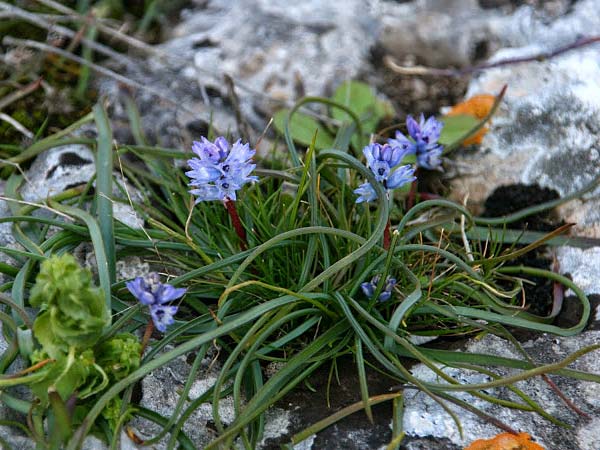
368, 288
162, 316
403, 143
140, 291
369, 151
203, 174
240, 153
207, 193
401, 176
431, 158
414, 130
381, 169
366, 193
169, 293
431, 130
223, 146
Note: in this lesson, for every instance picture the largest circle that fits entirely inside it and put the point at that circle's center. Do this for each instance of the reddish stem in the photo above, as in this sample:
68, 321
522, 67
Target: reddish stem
387, 236
146, 338
237, 223
410, 201
563, 397
428, 196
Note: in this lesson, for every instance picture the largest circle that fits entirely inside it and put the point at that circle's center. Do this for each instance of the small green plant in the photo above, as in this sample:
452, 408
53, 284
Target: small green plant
76, 359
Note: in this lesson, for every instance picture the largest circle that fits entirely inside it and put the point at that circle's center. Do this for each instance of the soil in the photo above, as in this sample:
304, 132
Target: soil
515, 197
354, 432
509, 199
309, 405
414, 94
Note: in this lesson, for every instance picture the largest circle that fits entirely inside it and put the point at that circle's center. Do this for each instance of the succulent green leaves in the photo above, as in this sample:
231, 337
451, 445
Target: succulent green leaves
73, 312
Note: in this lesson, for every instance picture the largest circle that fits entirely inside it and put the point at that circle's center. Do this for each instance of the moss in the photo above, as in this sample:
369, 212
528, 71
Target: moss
33, 111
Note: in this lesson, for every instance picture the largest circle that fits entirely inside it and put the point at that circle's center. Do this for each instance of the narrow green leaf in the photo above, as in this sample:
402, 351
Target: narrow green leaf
60, 427
348, 410
97, 242
104, 166
227, 327
362, 379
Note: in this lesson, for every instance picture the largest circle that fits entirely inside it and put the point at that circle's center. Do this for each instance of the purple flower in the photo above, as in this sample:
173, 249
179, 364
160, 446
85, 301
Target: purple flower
151, 292
384, 160
369, 287
423, 143
366, 193
220, 169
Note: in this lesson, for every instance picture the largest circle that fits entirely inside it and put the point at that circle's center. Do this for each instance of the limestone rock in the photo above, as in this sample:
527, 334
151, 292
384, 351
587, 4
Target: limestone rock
424, 417
276, 48
460, 32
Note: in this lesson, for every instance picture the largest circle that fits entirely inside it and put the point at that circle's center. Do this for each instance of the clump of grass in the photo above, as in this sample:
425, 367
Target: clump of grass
293, 296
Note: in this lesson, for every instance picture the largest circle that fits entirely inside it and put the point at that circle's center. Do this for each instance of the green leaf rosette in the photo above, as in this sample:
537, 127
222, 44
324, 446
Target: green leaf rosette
73, 312
119, 356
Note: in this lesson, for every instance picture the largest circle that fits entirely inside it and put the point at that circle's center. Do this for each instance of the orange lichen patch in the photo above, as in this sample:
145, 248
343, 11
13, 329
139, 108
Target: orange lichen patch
477, 106
506, 441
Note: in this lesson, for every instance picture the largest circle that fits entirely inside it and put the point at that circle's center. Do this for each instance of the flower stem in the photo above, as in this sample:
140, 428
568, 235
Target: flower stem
147, 334
237, 224
410, 202
387, 236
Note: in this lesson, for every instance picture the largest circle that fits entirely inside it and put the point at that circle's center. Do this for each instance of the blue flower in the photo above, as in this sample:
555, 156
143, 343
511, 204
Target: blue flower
369, 287
220, 169
423, 143
151, 292
384, 160
366, 193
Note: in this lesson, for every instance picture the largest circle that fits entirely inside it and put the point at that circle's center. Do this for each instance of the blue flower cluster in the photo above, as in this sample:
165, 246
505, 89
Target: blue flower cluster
151, 292
384, 159
220, 169
423, 143
369, 287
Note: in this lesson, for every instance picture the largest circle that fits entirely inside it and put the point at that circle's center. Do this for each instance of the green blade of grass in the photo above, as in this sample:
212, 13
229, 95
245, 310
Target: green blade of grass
104, 165
97, 242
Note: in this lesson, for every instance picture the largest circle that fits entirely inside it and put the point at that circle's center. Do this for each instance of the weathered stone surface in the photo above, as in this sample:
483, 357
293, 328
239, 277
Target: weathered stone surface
580, 265
160, 393
425, 418
277, 51
442, 33
67, 166
546, 132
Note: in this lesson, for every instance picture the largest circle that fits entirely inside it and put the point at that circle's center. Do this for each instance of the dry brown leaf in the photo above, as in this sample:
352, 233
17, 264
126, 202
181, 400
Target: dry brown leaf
506, 441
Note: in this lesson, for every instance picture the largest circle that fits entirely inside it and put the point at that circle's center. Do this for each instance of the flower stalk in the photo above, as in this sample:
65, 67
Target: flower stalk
237, 223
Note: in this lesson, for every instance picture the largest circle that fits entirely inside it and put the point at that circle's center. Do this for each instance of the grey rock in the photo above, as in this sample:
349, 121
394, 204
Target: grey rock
582, 265
57, 170
160, 394
306, 444
425, 418
275, 51
277, 48
131, 267
458, 32
439, 33
61, 168
546, 132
